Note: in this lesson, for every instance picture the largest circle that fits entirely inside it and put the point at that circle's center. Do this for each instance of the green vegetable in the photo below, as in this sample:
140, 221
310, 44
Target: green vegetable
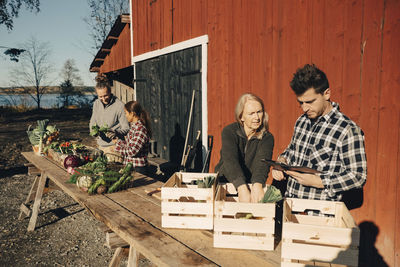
73, 178
246, 216
272, 195
96, 130
207, 182
111, 176
36, 135
95, 185
121, 181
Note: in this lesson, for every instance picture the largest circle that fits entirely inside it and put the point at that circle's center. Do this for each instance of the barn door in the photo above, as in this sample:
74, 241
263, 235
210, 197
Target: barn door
164, 87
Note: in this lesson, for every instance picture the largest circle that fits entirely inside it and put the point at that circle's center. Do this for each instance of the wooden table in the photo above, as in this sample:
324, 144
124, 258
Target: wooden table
136, 218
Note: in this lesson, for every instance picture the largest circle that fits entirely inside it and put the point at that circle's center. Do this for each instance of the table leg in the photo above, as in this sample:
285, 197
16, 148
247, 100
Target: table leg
133, 258
25, 211
117, 257
36, 204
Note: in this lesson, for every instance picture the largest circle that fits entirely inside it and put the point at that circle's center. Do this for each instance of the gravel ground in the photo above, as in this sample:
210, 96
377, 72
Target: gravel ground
65, 234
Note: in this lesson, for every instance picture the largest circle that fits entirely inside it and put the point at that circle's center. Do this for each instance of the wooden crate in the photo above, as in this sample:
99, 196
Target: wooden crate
315, 240
186, 206
56, 156
231, 230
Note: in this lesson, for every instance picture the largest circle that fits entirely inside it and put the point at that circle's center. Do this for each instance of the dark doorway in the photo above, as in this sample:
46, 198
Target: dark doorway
164, 85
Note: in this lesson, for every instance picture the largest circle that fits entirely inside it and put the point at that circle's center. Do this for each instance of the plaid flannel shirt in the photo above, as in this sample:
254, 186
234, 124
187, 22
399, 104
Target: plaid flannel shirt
135, 147
333, 145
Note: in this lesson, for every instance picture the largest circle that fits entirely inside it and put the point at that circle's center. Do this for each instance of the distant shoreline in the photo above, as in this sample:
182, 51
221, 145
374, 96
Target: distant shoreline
86, 90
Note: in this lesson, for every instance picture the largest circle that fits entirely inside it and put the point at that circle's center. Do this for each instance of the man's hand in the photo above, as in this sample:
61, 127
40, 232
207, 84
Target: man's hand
244, 193
306, 179
257, 192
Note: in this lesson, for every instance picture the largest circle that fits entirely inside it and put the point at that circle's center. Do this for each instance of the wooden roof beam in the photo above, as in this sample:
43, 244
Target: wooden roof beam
94, 69
125, 18
112, 38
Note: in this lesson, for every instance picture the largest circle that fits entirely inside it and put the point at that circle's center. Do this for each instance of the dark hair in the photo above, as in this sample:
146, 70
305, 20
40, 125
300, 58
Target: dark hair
135, 107
103, 82
309, 77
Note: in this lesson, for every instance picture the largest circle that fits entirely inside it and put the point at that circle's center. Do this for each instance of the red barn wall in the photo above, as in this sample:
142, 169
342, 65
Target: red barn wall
257, 45
120, 56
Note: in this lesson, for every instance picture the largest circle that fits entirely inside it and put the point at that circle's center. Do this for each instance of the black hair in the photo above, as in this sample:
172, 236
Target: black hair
308, 77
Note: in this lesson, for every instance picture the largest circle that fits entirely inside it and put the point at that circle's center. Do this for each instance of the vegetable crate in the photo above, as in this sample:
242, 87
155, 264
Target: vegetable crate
242, 225
56, 156
315, 240
184, 205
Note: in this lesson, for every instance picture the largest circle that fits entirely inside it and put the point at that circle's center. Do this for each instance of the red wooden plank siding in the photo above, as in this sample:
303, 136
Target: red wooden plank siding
351, 92
350, 102
388, 133
256, 46
236, 60
166, 23
155, 22
333, 60
120, 56
370, 84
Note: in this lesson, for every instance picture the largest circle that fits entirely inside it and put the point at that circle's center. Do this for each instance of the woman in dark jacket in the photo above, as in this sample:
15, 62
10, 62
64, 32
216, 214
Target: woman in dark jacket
244, 144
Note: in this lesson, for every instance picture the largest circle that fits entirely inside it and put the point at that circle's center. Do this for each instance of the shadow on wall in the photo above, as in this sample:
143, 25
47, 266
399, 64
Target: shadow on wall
369, 255
176, 144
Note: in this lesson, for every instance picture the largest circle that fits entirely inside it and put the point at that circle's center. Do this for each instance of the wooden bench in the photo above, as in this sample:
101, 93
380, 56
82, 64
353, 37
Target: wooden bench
134, 217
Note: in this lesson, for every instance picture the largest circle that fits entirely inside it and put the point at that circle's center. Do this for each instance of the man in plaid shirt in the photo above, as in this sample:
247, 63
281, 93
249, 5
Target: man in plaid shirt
324, 139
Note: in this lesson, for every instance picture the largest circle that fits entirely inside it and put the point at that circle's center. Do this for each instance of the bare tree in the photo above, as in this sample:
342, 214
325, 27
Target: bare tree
102, 16
9, 9
71, 78
33, 69
70, 72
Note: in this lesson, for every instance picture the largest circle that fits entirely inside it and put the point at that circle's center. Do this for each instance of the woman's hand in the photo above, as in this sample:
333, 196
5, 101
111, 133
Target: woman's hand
257, 192
244, 193
279, 175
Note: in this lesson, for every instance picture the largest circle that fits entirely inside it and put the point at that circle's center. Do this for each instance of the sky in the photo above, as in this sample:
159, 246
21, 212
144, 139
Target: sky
60, 23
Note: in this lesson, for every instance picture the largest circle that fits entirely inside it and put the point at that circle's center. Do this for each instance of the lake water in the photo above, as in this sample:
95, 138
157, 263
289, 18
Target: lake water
46, 101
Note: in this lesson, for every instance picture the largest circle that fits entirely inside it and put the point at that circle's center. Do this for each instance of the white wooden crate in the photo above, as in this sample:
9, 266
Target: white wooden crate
231, 230
315, 240
186, 206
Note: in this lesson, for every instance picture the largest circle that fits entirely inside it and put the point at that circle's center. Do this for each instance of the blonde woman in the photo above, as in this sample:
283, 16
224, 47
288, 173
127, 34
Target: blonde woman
244, 143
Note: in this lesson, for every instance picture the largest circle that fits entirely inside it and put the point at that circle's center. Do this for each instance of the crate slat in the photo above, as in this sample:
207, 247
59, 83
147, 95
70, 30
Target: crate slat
309, 252
196, 193
242, 241
187, 208
257, 209
244, 225
187, 222
321, 234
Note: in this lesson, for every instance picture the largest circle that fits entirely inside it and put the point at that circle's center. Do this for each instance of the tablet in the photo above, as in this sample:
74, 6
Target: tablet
283, 167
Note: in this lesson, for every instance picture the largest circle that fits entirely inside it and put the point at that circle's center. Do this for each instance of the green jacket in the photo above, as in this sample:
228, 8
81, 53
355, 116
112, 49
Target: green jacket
240, 160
